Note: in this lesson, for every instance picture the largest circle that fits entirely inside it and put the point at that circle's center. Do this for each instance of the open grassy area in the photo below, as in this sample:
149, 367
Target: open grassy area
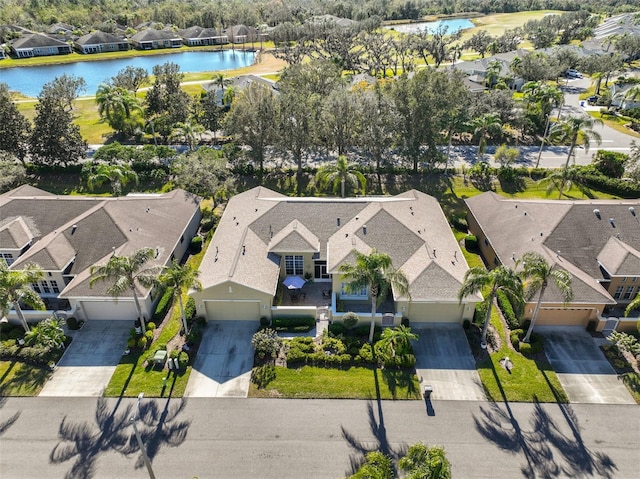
20, 379
328, 383
131, 377
614, 122
528, 380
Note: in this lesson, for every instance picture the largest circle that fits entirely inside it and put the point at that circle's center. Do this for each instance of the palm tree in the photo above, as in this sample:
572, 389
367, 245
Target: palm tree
397, 341
178, 277
118, 175
565, 178
425, 462
376, 273
632, 305
493, 73
15, 287
536, 274
340, 174
188, 131
596, 79
501, 278
126, 273
115, 104
483, 127
630, 95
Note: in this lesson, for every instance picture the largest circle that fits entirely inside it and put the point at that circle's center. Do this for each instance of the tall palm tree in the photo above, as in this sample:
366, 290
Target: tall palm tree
188, 131
502, 278
536, 274
118, 175
376, 273
116, 104
126, 273
340, 174
15, 287
484, 127
632, 305
179, 277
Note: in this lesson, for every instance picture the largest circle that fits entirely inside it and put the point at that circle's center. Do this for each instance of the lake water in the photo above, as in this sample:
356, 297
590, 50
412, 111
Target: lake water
453, 26
29, 79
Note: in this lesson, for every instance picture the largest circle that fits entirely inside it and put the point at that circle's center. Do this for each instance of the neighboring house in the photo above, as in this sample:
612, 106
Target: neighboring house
617, 25
597, 241
332, 20
66, 235
99, 42
478, 70
2, 53
198, 36
618, 93
151, 39
241, 34
60, 29
239, 83
264, 236
37, 45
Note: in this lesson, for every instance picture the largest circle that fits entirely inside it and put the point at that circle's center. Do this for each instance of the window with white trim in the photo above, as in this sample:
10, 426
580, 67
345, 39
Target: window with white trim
624, 279
634, 279
45, 287
36, 287
618, 292
7, 257
293, 265
344, 291
627, 292
54, 286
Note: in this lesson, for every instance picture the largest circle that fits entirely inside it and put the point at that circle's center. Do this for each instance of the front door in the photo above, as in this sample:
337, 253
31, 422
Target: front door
320, 271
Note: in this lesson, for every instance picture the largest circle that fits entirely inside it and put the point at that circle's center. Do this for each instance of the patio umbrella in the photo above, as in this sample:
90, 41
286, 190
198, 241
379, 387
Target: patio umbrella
294, 282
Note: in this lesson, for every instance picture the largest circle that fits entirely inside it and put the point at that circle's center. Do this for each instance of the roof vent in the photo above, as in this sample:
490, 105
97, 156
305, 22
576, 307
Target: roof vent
525, 213
337, 221
74, 228
612, 222
597, 213
364, 229
632, 210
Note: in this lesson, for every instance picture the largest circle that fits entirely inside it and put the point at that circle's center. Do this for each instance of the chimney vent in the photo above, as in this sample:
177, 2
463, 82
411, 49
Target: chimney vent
632, 210
597, 213
613, 224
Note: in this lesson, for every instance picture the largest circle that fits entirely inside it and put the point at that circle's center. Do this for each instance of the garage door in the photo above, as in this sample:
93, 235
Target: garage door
564, 316
95, 310
233, 310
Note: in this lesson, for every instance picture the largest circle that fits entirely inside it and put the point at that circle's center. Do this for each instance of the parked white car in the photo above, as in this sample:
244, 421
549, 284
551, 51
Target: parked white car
571, 73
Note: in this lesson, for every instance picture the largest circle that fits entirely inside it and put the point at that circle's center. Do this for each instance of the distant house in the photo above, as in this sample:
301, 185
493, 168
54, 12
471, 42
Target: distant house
67, 235
265, 237
99, 42
60, 29
241, 34
478, 70
150, 39
38, 45
596, 241
198, 36
239, 83
2, 53
621, 98
617, 25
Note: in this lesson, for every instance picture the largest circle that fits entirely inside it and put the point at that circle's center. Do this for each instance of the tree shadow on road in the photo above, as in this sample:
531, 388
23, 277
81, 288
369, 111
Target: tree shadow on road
83, 442
548, 450
6, 423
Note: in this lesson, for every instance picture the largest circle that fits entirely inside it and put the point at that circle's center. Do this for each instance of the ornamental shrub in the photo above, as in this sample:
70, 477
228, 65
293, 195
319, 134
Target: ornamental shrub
350, 320
163, 306
190, 308
196, 245
459, 223
471, 243
267, 343
72, 323
507, 310
366, 353
336, 329
151, 326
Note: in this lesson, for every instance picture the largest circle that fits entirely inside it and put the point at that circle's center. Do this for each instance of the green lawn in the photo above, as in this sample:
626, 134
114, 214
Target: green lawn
327, 383
131, 377
614, 122
20, 379
528, 381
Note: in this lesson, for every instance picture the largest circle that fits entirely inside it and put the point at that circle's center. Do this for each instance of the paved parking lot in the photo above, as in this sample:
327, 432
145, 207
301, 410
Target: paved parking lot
582, 369
444, 361
224, 362
88, 364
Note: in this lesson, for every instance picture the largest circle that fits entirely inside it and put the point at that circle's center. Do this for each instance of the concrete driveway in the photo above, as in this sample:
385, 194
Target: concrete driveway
224, 362
444, 361
582, 369
89, 362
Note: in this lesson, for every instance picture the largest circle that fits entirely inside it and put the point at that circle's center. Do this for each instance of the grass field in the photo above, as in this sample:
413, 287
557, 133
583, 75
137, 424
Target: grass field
20, 379
327, 383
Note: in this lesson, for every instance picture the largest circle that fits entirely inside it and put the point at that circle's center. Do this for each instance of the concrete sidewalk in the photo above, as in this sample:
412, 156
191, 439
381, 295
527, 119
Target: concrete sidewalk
444, 361
88, 364
224, 362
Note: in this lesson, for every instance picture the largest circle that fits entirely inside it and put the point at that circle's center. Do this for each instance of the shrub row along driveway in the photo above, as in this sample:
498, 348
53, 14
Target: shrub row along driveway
583, 371
444, 361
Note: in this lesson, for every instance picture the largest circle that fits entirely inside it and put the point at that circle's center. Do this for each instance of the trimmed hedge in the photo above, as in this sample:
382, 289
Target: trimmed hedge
534, 346
163, 306
293, 325
624, 189
196, 245
471, 243
36, 355
507, 310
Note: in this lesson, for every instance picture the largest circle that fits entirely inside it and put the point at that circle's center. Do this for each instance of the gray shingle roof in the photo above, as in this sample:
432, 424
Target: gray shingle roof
151, 34
15, 234
36, 40
408, 227
97, 38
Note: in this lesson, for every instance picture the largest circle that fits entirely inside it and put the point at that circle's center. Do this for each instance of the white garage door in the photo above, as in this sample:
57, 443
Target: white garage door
95, 310
233, 310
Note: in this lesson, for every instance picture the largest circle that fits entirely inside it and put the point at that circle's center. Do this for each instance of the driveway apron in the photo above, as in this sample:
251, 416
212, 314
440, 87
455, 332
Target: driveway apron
444, 362
224, 362
89, 362
583, 371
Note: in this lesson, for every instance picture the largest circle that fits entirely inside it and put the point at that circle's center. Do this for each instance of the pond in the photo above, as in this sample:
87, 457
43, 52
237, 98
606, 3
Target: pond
453, 26
29, 80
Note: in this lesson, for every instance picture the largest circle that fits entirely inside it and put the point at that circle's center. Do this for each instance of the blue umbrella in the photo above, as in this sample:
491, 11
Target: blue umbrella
294, 282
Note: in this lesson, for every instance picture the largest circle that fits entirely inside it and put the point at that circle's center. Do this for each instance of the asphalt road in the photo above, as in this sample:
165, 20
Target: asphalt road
247, 438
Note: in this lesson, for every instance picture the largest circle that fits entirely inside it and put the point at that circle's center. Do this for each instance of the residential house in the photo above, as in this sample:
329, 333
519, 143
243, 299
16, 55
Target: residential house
100, 42
596, 241
617, 25
198, 36
477, 71
623, 95
60, 29
2, 53
265, 237
37, 45
67, 235
241, 34
151, 39
239, 83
